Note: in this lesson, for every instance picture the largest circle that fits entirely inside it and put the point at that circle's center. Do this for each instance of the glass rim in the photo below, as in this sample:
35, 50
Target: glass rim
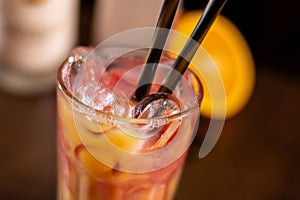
68, 95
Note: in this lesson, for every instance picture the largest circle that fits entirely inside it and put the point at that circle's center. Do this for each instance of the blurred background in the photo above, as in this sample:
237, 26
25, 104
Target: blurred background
258, 153
271, 29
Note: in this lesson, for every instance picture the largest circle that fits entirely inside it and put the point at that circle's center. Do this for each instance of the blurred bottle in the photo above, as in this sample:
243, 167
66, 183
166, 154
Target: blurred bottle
35, 38
114, 16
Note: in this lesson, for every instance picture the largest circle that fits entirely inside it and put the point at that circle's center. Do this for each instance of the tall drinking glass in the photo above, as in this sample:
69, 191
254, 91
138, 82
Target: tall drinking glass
104, 152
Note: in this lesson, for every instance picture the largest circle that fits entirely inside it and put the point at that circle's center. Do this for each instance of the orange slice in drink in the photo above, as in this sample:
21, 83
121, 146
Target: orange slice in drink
90, 163
229, 50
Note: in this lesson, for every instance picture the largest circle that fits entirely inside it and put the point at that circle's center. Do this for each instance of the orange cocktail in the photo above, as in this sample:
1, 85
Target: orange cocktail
104, 152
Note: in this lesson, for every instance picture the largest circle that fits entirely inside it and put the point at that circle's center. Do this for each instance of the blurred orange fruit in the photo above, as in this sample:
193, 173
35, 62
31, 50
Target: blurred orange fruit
229, 50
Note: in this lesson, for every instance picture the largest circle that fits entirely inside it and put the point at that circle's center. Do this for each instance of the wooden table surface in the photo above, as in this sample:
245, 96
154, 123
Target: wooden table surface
257, 156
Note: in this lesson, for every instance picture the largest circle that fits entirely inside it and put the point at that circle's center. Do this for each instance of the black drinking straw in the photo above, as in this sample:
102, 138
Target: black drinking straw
210, 13
160, 36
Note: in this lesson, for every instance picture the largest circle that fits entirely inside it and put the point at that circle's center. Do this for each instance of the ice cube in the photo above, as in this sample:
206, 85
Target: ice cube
154, 113
158, 104
96, 95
